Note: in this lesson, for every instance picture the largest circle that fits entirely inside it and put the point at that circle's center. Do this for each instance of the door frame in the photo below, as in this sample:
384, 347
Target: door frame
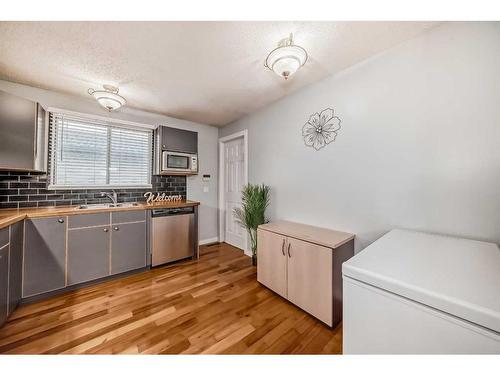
222, 142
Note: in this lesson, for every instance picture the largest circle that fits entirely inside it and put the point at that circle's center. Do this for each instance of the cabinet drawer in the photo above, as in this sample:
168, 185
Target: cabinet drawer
88, 220
127, 216
4, 236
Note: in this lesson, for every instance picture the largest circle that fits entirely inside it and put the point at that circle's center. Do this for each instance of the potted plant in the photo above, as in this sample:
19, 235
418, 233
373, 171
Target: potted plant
255, 199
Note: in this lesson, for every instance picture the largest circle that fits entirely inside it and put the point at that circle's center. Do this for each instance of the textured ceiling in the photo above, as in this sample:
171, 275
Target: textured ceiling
208, 72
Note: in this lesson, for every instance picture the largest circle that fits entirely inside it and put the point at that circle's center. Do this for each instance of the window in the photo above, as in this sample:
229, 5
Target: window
86, 152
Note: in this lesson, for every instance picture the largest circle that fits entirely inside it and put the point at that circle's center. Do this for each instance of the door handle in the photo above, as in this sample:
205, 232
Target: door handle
283, 247
288, 250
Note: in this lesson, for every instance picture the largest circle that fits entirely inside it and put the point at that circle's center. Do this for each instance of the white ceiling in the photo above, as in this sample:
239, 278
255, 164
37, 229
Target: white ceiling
207, 72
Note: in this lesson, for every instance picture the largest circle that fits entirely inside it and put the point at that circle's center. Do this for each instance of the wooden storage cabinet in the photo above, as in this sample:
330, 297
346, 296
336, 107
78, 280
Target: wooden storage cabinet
302, 264
310, 275
272, 262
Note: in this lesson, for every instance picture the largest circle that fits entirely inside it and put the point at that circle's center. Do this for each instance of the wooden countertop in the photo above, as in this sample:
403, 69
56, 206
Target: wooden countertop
321, 236
11, 216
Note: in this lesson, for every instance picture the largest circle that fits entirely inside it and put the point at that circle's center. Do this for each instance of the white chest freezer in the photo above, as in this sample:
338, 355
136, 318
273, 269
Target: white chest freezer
417, 293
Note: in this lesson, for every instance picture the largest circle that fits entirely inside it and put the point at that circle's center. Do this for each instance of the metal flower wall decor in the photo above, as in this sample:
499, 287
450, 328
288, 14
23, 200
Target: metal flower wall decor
321, 129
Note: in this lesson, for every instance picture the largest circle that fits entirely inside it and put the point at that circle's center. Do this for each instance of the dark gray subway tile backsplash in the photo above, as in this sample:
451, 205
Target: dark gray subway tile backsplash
24, 189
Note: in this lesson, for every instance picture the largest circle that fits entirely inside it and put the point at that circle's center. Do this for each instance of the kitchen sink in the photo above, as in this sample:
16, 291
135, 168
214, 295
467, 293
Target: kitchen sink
106, 205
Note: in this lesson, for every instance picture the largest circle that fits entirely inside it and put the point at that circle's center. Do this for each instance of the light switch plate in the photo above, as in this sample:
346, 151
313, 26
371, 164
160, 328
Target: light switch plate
205, 189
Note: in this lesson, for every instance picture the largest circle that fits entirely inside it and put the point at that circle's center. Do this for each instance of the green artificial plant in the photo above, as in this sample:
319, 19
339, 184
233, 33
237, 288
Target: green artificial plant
255, 199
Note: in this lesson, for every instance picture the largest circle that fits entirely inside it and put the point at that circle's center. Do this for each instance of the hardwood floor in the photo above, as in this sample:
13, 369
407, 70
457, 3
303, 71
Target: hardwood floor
214, 305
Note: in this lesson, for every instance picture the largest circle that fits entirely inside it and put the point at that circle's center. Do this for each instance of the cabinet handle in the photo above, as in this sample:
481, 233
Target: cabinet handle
288, 250
116, 228
60, 221
283, 247
106, 229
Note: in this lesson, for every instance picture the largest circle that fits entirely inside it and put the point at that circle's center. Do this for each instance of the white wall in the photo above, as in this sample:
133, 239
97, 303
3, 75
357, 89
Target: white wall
419, 146
207, 144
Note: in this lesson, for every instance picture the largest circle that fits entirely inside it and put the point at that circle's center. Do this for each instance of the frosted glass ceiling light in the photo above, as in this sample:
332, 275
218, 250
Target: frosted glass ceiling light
108, 97
287, 58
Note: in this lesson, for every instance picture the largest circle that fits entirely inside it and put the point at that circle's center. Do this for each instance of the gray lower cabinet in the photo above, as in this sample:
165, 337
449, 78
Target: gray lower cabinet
4, 282
66, 251
4, 237
128, 247
44, 255
88, 254
15, 265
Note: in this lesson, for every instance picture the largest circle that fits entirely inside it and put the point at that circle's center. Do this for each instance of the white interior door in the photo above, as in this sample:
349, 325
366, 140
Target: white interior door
234, 180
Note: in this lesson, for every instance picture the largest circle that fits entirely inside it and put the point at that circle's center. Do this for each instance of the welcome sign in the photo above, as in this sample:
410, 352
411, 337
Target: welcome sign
161, 197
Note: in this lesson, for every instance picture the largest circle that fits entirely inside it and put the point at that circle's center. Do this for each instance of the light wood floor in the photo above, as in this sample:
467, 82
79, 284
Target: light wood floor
214, 305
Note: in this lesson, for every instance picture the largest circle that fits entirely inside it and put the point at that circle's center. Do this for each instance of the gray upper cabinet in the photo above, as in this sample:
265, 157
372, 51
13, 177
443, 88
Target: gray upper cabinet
4, 282
22, 134
178, 140
88, 254
44, 255
128, 249
15, 264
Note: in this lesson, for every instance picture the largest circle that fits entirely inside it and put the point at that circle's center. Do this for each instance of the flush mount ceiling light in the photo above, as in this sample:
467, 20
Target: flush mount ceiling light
287, 58
108, 97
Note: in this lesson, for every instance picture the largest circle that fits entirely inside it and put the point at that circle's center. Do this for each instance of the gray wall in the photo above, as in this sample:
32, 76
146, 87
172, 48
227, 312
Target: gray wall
419, 146
207, 143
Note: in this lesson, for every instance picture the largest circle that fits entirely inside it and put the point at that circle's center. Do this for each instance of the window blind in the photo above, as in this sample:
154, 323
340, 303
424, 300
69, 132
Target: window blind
86, 152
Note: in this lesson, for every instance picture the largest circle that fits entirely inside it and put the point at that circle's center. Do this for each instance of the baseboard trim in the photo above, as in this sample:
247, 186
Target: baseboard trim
208, 240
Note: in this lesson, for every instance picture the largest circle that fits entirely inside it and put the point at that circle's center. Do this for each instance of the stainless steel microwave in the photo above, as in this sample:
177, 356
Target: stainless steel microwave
178, 163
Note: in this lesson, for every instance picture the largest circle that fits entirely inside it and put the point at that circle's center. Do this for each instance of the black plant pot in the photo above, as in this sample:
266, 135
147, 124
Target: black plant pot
254, 259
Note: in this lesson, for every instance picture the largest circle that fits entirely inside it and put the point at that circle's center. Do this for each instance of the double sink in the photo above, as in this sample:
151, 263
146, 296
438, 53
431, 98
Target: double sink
105, 206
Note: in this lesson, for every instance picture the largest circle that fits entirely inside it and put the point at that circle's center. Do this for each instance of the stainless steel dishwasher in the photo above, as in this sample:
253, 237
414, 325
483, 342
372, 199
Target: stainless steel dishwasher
173, 234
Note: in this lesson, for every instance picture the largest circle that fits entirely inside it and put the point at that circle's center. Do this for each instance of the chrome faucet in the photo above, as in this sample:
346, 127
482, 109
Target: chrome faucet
113, 197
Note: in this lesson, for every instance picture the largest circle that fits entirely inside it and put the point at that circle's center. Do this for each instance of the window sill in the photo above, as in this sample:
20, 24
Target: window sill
92, 187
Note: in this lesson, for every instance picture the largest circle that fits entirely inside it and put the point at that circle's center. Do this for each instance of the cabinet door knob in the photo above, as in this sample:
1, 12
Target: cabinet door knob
116, 228
288, 250
106, 229
60, 221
